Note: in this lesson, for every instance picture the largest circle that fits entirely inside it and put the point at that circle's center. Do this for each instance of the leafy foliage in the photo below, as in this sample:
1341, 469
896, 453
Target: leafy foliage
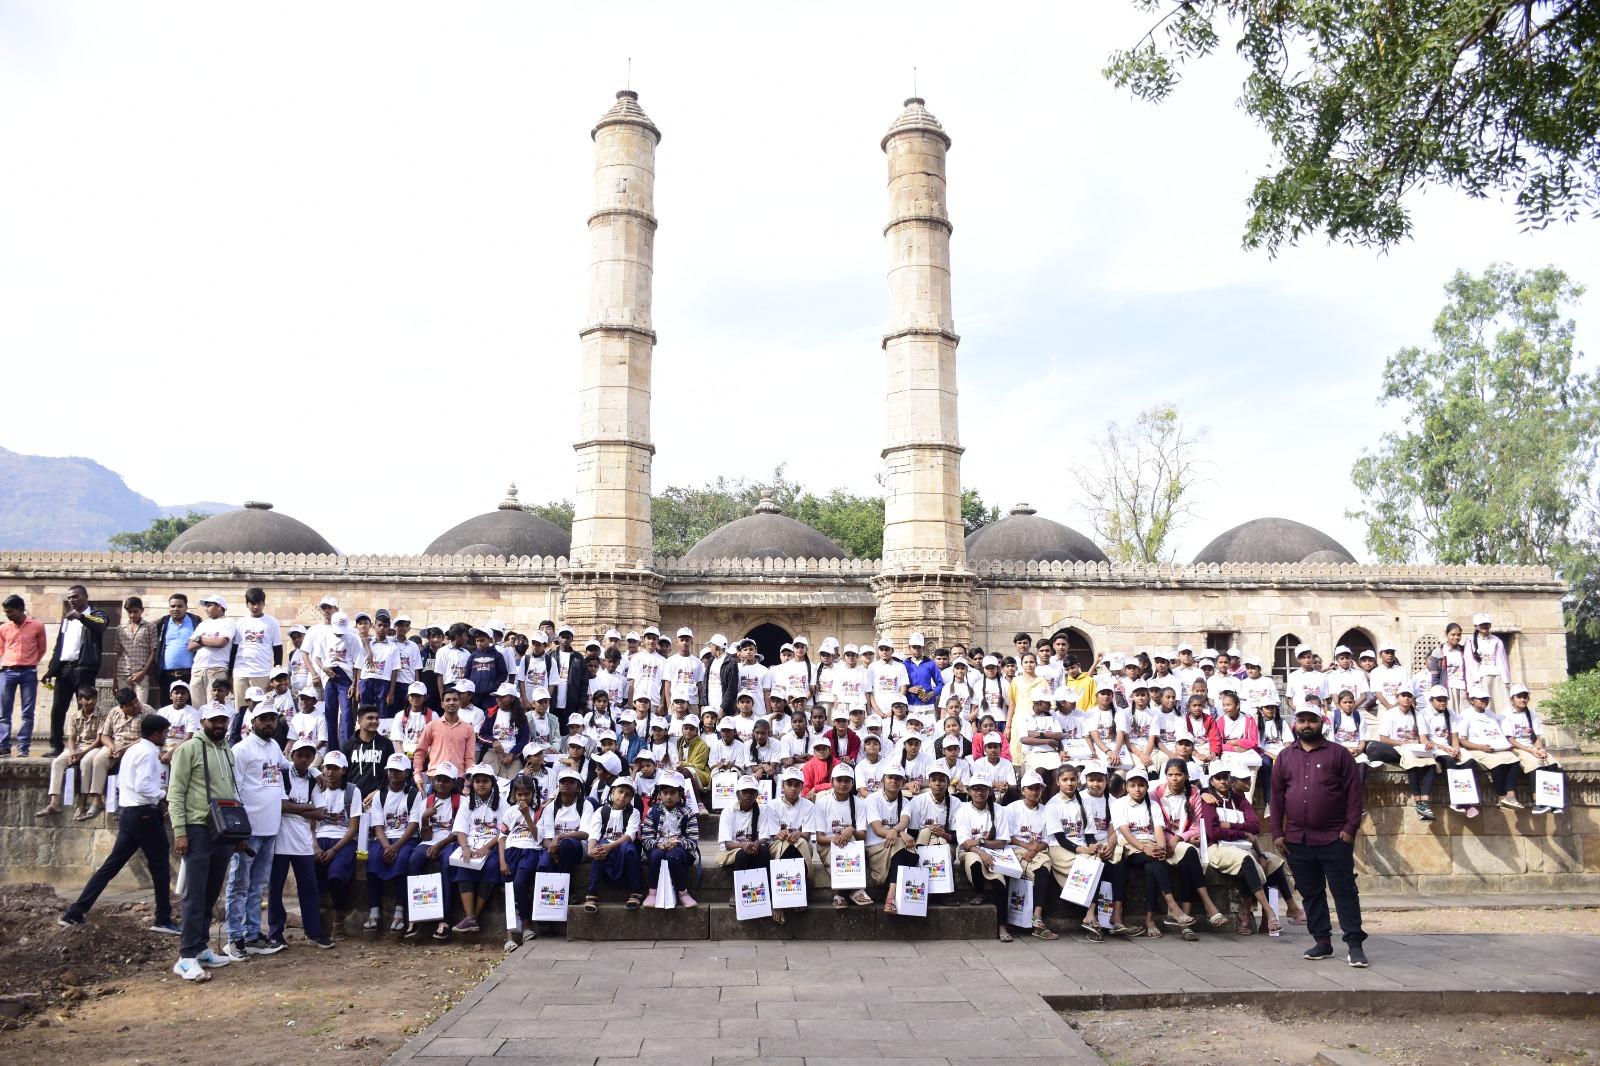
1365, 100
1575, 704
1499, 430
557, 511
156, 536
1139, 491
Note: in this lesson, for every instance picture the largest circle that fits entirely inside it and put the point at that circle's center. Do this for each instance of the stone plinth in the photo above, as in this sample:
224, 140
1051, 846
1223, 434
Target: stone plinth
594, 600
936, 604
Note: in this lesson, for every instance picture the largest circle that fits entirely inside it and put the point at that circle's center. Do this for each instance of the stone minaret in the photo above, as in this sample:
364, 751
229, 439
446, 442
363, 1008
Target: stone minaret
925, 583
610, 580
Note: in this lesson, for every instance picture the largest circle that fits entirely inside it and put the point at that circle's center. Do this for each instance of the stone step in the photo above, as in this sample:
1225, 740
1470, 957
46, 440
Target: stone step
819, 921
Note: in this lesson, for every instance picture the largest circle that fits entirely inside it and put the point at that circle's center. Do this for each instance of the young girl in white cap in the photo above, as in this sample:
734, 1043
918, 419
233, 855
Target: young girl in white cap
391, 843
479, 841
613, 835
334, 840
840, 818
670, 839
519, 828
980, 828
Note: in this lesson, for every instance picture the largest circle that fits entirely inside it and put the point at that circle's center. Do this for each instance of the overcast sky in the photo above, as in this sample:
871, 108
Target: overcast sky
333, 255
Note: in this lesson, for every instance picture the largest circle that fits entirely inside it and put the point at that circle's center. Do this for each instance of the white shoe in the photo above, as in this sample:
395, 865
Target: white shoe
211, 960
399, 922
191, 970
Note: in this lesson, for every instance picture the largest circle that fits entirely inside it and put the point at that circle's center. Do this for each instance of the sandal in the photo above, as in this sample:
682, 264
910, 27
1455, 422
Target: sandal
977, 900
1093, 932
888, 905
839, 903
590, 904
87, 813
1038, 921
1298, 919
860, 898
1218, 920
1190, 935
633, 902
47, 811
1005, 935
1044, 933
1273, 927
1153, 932
442, 932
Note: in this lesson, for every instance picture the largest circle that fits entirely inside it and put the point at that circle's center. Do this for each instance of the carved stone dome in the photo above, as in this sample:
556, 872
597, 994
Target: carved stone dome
255, 529
1274, 540
1023, 536
767, 533
508, 530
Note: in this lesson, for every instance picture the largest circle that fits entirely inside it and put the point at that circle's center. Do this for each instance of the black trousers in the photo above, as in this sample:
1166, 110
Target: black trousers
138, 829
1318, 870
205, 868
66, 683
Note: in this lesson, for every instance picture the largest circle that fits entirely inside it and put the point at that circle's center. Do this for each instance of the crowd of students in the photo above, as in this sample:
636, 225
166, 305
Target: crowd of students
489, 756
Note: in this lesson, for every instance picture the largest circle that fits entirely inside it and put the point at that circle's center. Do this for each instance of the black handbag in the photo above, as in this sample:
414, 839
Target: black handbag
227, 819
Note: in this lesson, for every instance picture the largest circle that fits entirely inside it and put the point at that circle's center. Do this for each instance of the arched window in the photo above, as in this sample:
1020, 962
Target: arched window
769, 638
1079, 646
1358, 641
1283, 657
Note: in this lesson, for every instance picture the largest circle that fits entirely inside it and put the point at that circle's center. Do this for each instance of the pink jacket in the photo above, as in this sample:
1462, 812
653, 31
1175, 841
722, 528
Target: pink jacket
1191, 830
1249, 742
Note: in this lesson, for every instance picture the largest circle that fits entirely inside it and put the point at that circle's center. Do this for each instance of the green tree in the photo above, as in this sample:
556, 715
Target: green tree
156, 536
1498, 430
1139, 491
557, 511
1365, 100
975, 514
855, 523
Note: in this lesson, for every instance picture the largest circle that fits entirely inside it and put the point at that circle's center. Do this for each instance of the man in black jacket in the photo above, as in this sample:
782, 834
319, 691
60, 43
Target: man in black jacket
568, 661
75, 660
727, 667
176, 665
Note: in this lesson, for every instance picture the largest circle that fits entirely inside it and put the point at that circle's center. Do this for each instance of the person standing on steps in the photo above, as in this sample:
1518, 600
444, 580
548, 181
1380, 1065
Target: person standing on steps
1317, 803
75, 660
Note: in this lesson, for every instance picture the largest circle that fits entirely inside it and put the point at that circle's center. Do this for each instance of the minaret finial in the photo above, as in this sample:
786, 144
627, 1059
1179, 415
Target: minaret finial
913, 81
629, 84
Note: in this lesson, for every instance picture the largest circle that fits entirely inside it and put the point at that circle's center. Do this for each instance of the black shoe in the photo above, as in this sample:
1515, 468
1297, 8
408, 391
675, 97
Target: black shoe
1357, 957
263, 945
1321, 950
320, 941
69, 920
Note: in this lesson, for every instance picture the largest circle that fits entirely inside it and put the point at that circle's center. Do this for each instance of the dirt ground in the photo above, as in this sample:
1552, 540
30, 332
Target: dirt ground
1573, 921
109, 994
1247, 1036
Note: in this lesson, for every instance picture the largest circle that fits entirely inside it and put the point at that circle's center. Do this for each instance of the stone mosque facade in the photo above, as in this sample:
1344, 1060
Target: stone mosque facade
1264, 586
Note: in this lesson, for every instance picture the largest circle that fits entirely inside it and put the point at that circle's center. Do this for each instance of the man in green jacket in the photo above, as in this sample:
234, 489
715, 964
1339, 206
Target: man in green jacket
205, 861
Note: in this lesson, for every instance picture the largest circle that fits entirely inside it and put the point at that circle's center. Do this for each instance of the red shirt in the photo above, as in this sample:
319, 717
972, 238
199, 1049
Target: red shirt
22, 645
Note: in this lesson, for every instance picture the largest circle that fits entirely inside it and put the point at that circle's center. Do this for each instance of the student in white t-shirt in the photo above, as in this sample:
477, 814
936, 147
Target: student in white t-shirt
612, 832
889, 842
480, 860
1522, 727
841, 817
434, 816
561, 825
1030, 842
389, 809
308, 723
982, 828
334, 841
1139, 821
294, 850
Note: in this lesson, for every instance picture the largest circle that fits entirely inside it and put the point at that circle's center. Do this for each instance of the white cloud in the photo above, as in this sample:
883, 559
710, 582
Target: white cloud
334, 257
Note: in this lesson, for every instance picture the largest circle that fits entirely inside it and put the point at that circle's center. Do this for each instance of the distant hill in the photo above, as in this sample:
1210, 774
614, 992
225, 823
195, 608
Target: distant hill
72, 504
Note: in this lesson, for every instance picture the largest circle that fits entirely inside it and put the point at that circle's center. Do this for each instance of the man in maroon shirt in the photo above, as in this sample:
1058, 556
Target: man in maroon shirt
1316, 809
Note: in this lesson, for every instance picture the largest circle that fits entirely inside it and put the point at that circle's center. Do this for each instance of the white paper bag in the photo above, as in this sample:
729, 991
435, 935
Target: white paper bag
468, 864
766, 790
752, 896
1019, 902
69, 786
425, 897
1005, 862
364, 833
1205, 846
849, 865
1275, 900
666, 898
938, 862
1463, 788
111, 794
1104, 906
911, 889
183, 877
1549, 789
722, 789
1082, 880
551, 893
513, 920
788, 883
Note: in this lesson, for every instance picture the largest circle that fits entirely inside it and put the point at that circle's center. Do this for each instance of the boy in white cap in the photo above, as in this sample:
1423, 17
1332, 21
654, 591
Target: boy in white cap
391, 843
683, 671
794, 818
334, 840
294, 850
888, 837
434, 818
887, 681
670, 839
613, 845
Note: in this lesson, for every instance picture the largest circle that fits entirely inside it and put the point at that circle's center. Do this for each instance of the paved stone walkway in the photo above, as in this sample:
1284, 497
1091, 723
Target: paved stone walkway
852, 1004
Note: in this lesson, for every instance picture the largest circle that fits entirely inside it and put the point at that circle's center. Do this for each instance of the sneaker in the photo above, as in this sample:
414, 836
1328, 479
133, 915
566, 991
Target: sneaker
323, 941
68, 920
211, 960
509, 946
1542, 809
166, 928
235, 951
469, 924
650, 898
686, 900
261, 945
191, 970
530, 931
1357, 957
1321, 950
1425, 810
1511, 802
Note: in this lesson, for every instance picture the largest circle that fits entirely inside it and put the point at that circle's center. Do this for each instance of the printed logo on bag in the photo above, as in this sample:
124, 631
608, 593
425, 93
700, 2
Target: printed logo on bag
425, 895
787, 882
1079, 878
552, 896
913, 891
1018, 899
753, 892
937, 869
847, 864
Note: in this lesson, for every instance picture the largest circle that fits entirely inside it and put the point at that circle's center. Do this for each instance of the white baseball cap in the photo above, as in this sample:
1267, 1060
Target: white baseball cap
685, 631
610, 760
1483, 618
917, 641
310, 692
791, 774
843, 770
255, 694
613, 634
216, 599
746, 783
569, 774
465, 686
506, 689
335, 758
445, 769
719, 641
1519, 690
1032, 779
416, 688
1094, 766
328, 601
301, 743
539, 693
397, 762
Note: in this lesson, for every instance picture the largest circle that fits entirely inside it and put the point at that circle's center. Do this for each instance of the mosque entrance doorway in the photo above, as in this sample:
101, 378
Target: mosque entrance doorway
769, 638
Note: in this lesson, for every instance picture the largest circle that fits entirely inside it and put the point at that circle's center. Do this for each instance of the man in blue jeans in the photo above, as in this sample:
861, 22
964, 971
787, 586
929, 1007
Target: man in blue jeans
22, 648
259, 766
